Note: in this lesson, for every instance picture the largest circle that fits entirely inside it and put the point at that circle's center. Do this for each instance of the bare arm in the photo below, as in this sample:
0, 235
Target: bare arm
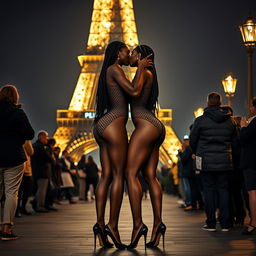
136, 86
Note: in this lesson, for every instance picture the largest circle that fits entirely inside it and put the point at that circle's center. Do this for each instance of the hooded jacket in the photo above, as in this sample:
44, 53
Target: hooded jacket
15, 129
212, 137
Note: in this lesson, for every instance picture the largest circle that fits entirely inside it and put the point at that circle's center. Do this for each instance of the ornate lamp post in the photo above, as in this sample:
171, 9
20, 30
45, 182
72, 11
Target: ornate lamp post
199, 112
248, 31
229, 85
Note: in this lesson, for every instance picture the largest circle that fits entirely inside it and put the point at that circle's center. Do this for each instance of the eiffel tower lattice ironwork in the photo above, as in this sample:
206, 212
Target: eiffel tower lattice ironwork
111, 20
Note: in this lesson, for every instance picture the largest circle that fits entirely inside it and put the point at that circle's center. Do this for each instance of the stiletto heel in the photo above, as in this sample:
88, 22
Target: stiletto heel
143, 231
95, 241
97, 231
160, 231
163, 239
108, 232
145, 240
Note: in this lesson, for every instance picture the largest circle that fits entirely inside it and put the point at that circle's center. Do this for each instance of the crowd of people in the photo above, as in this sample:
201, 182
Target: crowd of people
55, 177
217, 167
35, 173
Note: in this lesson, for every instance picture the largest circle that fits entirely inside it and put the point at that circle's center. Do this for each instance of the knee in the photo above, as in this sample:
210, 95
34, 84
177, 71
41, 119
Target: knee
118, 174
149, 178
106, 178
130, 176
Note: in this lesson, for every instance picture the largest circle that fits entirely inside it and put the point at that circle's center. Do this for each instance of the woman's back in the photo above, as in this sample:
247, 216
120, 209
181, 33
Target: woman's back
15, 129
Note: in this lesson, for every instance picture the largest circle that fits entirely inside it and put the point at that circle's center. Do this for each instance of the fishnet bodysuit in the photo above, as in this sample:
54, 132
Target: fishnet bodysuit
119, 108
139, 110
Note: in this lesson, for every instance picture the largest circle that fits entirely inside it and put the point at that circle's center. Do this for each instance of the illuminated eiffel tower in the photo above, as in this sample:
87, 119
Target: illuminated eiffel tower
111, 20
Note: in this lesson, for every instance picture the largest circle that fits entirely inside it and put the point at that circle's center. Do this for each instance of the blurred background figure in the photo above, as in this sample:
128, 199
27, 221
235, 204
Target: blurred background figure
57, 175
81, 169
188, 174
25, 190
52, 186
68, 184
248, 163
236, 180
91, 177
74, 176
15, 129
144, 186
41, 160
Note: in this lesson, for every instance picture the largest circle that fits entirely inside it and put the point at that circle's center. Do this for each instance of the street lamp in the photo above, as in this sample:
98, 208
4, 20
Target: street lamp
248, 31
199, 112
229, 85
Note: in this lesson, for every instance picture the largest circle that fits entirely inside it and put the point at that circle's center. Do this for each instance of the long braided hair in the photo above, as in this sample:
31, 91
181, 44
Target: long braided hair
102, 99
152, 103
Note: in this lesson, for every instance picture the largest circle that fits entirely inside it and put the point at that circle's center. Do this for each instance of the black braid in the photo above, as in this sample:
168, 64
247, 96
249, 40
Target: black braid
145, 50
102, 99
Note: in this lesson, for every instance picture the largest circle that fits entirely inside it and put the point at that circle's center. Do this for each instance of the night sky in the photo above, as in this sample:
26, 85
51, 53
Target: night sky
196, 43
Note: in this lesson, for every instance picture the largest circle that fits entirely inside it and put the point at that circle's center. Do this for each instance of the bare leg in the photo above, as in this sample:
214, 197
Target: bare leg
252, 203
140, 147
155, 190
117, 143
103, 185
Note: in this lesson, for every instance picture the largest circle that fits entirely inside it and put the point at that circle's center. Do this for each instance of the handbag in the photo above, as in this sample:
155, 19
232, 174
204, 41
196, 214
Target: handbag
67, 180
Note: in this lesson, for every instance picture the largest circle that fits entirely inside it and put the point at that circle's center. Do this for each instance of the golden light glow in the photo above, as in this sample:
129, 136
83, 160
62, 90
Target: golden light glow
248, 31
111, 20
229, 85
81, 97
130, 36
101, 31
171, 143
103, 21
198, 112
100, 24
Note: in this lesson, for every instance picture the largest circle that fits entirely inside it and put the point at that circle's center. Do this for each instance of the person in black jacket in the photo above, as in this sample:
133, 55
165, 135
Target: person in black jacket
15, 129
248, 163
236, 180
187, 171
41, 166
190, 180
51, 193
82, 175
211, 140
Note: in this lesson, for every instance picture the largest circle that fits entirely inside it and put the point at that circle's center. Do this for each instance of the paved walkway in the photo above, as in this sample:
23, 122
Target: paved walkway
69, 232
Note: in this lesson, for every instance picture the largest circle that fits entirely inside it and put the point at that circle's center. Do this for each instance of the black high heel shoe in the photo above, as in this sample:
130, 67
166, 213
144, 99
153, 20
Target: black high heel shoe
246, 232
160, 231
102, 238
118, 245
143, 231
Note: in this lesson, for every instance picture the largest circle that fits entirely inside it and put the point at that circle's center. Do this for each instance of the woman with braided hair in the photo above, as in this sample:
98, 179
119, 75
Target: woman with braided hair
143, 151
111, 135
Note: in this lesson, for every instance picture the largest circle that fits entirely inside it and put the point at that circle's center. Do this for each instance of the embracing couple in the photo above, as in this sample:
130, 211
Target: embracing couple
121, 161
